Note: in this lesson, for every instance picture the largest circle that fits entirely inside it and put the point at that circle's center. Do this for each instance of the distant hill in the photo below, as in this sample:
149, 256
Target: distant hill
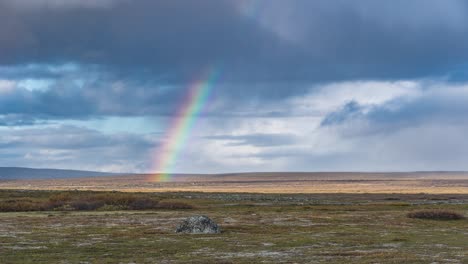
12, 173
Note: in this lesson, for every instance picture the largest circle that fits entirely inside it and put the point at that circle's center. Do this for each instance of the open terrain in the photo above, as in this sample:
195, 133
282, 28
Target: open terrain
415, 182
256, 228
264, 217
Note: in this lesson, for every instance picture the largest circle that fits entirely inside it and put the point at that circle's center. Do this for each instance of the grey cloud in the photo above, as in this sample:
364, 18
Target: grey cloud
424, 147
41, 71
67, 137
154, 50
171, 39
348, 111
75, 147
59, 4
17, 120
137, 58
442, 106
160, 37
257, 140
88, 95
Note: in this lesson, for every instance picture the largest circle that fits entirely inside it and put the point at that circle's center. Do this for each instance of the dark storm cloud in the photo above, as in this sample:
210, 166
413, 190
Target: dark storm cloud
330, 40
137, 57
159, 37
59, 103
87, 96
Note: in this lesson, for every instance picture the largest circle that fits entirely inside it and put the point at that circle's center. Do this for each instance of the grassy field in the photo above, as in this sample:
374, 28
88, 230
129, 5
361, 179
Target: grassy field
274, 182
256, 228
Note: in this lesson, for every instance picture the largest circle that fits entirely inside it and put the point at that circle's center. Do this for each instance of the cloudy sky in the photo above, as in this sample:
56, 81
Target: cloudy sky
325, 85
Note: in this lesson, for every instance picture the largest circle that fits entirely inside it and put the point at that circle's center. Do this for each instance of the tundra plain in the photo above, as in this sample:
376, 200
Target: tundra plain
355, 218
275, 182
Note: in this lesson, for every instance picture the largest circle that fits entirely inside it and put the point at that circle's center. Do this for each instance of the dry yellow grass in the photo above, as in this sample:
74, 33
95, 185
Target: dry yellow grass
436, 183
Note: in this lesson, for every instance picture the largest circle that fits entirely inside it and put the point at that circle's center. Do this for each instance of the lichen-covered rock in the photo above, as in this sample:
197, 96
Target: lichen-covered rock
199, 224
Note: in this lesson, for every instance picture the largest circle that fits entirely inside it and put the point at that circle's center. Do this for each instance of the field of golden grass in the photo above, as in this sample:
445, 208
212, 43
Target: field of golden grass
417, 182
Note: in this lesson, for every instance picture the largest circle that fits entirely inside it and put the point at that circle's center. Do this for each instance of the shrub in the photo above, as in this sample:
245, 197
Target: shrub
117, 199
86, 205
60, 197
436, 214
108, 207
174, 205
19, 206
88, 200
51, 205
143, 204
392, 199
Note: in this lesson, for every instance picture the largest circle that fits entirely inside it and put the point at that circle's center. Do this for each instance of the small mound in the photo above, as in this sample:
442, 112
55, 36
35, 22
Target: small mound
436, 215
198, 225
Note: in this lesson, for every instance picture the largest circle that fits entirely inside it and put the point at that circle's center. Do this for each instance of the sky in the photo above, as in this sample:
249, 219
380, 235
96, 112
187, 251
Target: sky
325, 85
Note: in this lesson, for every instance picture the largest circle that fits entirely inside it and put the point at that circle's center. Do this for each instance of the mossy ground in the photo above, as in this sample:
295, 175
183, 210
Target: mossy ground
256, 229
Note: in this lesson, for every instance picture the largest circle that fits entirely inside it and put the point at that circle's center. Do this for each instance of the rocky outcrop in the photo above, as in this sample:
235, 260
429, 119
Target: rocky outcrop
199, 224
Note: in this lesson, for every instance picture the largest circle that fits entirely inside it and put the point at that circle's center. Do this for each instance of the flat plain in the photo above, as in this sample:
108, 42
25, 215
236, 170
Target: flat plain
332, 182
263, 220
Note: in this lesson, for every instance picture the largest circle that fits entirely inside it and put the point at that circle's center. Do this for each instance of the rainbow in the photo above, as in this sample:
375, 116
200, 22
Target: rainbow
180, 127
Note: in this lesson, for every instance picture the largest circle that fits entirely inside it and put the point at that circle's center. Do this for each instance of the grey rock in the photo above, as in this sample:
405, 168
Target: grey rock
199, 224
